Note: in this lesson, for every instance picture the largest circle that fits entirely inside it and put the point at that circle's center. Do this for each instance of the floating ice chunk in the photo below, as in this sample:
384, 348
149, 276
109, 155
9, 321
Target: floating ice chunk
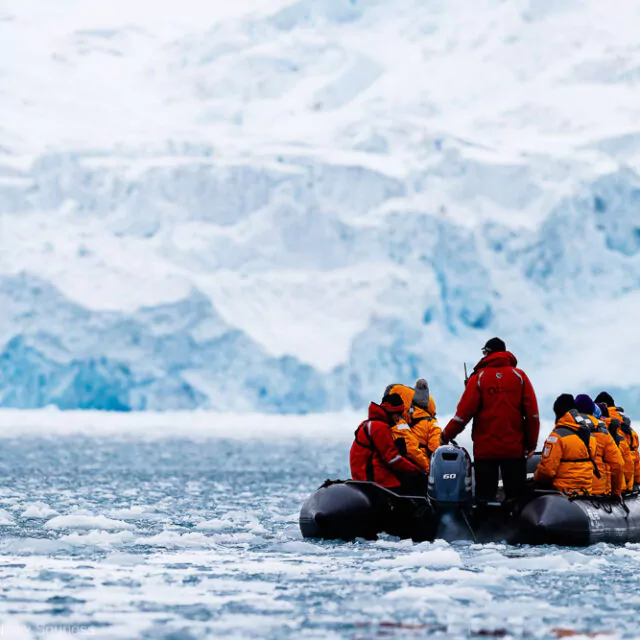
488, 547
387, 576
239, 537
394, 544
291, 532
244, 520
298, 546
215, 525
281, 518
256, 527
81, 521
577, 558
437, 593
433, 558
629, 551
175, 540
33, 546
136, 512
98, 539
488, 578
436, 544
6, 519
346, 574
553, 562
290, 567
37, 510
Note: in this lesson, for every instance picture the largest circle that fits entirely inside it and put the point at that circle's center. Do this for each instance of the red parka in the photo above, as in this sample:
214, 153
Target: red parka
374, 455
500, 399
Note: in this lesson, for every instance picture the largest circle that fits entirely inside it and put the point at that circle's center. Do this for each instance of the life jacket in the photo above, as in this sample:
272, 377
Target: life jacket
363, 439
625, 427
608, 459
613, 425
374, 456
622, 443
406, 439
419, 436
632, 466
583, 432
426, 429
567, 457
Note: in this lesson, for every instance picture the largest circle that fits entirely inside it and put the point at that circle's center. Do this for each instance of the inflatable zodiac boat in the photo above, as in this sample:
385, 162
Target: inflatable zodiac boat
348, 509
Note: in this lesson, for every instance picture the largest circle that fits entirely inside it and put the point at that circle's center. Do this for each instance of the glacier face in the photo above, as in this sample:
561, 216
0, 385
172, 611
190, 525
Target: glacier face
285, 205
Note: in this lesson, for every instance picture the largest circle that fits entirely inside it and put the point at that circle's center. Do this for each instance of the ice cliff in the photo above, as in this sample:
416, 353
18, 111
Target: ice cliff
285, 205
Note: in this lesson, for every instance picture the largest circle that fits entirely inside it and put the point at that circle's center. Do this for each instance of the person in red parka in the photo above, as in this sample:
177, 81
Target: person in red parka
501, 400
374, 456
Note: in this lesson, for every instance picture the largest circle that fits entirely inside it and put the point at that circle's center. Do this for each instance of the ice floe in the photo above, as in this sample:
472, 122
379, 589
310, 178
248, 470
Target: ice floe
438, 594
38, 510
433, 558
176, 540
82, 521
215, 525
98, 538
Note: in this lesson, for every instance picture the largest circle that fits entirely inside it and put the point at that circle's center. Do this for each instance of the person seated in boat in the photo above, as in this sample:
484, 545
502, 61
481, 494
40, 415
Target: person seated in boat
567, 462
501, 400
417, 436
632, 468
374, 456
608, 458
613, 425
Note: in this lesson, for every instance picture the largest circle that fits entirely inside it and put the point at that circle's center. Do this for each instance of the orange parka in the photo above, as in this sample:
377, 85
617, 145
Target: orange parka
418, 436
613, 424
608, 460
635, 453
632, 466
566, 460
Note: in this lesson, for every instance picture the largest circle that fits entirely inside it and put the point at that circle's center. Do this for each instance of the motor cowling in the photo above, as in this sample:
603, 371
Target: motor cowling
450, 476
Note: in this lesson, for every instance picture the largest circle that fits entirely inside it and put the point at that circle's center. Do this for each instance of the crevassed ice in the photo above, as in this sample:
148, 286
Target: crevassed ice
309, 216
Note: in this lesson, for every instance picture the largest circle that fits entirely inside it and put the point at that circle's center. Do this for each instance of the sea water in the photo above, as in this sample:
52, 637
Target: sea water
179, 539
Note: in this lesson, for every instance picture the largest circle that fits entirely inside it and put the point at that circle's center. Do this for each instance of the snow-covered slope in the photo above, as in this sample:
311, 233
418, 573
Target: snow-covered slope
285, 205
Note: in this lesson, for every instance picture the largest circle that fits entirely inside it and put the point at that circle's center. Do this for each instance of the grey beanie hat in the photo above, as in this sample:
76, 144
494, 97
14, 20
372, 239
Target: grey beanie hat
421, 396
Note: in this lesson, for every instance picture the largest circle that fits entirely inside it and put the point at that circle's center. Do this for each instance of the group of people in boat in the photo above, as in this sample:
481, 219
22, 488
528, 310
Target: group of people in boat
593, 450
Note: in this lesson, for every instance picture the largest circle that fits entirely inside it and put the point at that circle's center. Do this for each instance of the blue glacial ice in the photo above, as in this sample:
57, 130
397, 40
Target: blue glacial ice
309, 215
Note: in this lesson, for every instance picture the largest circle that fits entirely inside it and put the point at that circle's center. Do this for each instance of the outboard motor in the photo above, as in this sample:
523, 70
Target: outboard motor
449, 491
450, 477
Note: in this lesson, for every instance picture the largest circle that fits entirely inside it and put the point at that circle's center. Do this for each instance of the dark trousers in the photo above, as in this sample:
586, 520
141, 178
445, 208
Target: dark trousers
514, 478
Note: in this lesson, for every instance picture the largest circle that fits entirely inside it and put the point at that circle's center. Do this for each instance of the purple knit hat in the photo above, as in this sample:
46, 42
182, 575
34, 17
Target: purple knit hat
584, 404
